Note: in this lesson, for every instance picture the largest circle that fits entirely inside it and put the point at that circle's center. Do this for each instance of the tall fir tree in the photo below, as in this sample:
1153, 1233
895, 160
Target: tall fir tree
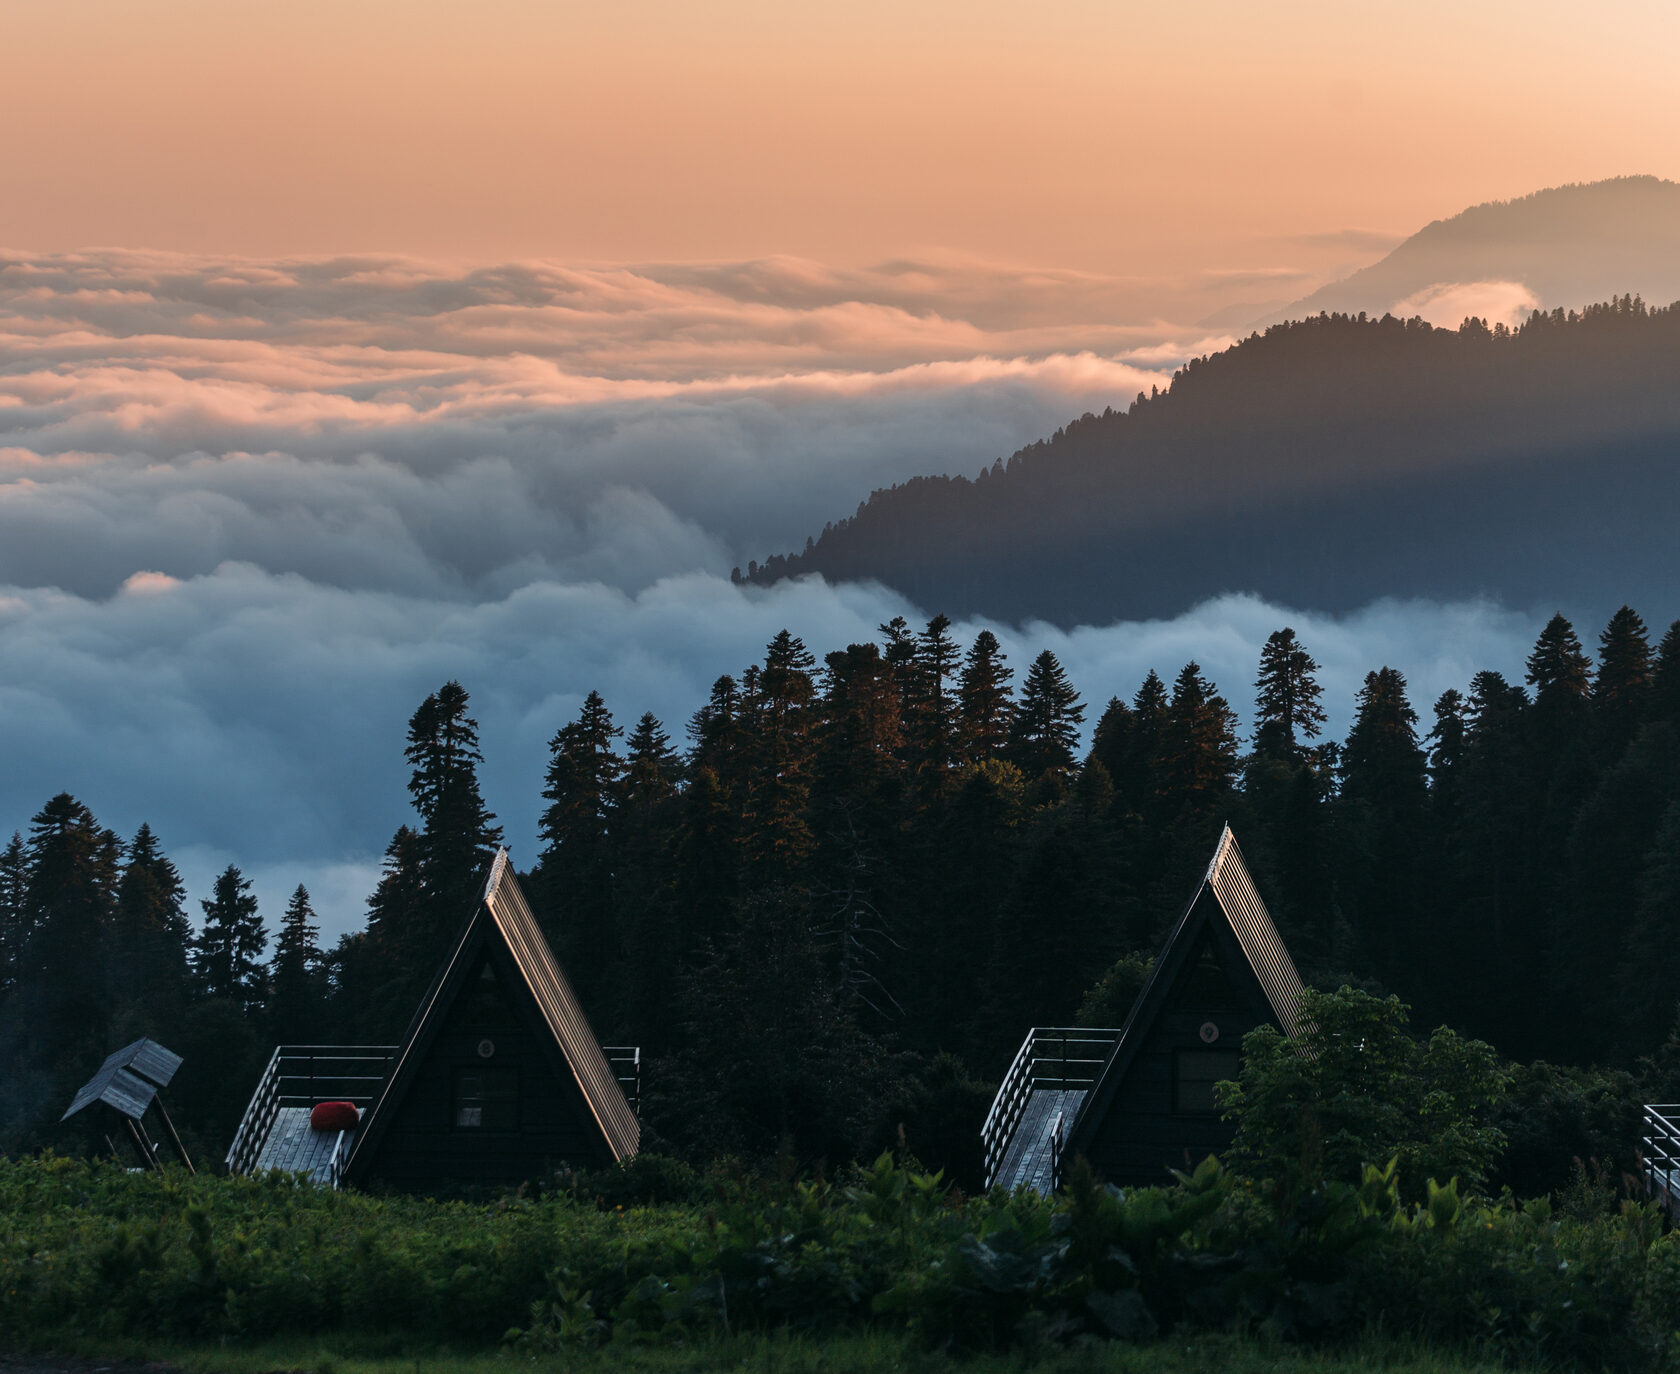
1382, 800
1663, 703
1287, 713
1623, 683
297, 976
227, 956
985, 699
1045, 731
574, 880
68, 905
645, 816
14, 879
151, 934
454, 846
776, 828
933, 727
1200, 755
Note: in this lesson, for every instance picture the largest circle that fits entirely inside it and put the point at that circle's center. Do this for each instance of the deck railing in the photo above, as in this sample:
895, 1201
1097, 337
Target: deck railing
1660, 1149
626, 1064
302, 1076
1057, 1057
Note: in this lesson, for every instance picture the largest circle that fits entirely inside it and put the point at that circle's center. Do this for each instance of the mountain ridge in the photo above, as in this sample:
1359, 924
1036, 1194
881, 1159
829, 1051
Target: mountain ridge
1324, 464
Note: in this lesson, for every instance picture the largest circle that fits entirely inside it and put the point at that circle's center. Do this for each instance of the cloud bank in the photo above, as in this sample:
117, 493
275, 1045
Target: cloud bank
251, 513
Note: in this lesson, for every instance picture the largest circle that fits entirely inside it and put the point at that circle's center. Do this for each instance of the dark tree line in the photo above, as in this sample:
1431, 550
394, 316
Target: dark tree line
834, 911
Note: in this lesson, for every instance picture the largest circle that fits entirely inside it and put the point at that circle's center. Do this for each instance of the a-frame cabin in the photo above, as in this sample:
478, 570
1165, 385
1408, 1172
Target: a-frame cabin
499, 1078
1144, 1102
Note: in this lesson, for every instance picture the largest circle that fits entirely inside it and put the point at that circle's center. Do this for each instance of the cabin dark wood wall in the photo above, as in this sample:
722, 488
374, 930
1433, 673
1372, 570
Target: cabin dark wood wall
1140, 1136
423, 1150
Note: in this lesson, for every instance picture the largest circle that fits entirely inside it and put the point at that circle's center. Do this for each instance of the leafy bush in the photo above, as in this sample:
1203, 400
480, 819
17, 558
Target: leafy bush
1353, 1086
94, 1250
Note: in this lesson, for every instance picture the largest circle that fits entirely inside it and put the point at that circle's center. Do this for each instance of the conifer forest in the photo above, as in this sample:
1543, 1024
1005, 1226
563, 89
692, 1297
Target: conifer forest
830, 903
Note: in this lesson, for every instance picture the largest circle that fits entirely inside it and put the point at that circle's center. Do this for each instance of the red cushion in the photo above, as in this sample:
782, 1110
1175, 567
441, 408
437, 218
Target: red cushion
334, 1116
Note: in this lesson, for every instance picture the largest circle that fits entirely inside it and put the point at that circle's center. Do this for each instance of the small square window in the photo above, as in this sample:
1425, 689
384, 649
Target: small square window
1194, 1074
486, 1099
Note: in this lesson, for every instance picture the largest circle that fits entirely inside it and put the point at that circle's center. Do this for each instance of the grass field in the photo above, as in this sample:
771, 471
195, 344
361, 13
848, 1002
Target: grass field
859, 1354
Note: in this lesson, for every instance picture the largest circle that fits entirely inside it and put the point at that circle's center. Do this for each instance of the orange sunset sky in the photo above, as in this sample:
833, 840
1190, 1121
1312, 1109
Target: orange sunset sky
1211, 136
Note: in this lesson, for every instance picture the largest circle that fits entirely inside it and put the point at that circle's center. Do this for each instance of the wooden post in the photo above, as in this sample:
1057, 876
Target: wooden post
142, 1144
174, 1139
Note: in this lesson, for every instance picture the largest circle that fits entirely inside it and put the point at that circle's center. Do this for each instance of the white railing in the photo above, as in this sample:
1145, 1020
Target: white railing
626, 1064
303, 1076
258, 1120
1660, 1151
1053, 1057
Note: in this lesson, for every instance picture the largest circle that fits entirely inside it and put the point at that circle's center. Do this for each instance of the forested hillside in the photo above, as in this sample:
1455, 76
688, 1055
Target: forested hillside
836, 910
1567, 245
1323, 464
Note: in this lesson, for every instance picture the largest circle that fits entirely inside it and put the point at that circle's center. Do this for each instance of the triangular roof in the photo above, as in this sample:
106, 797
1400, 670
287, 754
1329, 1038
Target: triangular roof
1227, 894
502, 916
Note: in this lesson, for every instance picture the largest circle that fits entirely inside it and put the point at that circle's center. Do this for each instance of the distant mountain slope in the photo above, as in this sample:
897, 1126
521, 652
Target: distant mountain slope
1568, 246
1324, 464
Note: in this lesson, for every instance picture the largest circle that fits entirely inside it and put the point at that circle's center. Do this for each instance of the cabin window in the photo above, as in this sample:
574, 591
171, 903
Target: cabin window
1194, 1074
487, 1099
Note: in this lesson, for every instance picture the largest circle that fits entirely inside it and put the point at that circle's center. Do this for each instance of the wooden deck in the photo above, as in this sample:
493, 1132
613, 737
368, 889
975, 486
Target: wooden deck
1030, 1161
291, 1146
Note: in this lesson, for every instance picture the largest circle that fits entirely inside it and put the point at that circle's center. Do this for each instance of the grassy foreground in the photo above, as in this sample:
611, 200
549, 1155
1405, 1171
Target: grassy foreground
783, 1354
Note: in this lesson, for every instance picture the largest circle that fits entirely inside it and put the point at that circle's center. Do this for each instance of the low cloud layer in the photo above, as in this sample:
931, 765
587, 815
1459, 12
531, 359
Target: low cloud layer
251, 513
1447, 305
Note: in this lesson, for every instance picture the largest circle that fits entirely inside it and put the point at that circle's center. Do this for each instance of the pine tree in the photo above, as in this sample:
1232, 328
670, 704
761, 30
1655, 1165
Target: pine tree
583, 773
1382, 799
860, 734
1561, 676
227, 956
933, 739
151, 933
776, 825
717, 736
1623, 683
14, 877
460, 840
1286, 704
652, 768
68, 906
574, 881
985, 700
1663, 704
1142, 781
297, 974
400, 893
643, 829
446, 862
1200, 758
1045, 731
1382, 764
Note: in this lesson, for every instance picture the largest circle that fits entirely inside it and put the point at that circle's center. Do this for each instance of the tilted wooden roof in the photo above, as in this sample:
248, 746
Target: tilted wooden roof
1227, 893
128, 1079
502, 914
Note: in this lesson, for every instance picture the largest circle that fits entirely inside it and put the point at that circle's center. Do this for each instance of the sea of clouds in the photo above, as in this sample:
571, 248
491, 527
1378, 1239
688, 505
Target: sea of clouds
251, 513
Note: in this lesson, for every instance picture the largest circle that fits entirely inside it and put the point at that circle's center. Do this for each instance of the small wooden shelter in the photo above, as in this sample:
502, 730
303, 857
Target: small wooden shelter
1138, 1101
498, 1079
129, 1083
